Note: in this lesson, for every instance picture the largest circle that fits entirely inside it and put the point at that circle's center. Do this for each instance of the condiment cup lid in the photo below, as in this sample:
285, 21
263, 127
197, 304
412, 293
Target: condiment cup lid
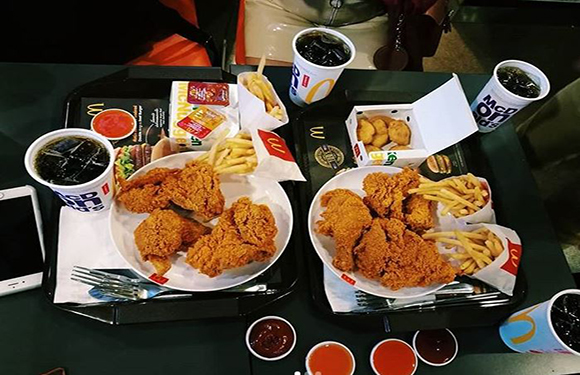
249, 330
327, 343
436, 364
387, 340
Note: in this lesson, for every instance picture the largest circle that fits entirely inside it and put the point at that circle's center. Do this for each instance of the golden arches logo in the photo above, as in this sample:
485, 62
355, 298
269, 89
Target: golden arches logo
95, 109
316, 87
317, 132
524, 317
275, 144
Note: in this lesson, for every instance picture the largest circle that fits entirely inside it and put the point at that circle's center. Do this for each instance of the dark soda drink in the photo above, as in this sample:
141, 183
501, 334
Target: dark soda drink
518, 82
71, 160
323, 49
565, 316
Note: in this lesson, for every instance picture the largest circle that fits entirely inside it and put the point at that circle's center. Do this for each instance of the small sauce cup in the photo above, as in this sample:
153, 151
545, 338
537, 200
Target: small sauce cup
271, 334
330, 357
436, 347
393, 357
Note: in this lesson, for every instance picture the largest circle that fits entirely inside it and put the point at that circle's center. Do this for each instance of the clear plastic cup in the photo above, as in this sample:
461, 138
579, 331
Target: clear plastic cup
495, 104
91, 196
311, 82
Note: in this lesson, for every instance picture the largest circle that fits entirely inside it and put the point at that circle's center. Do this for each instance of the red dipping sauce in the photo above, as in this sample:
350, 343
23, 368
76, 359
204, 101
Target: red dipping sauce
393, 357
114, 123
437, 347
330, 358
271, 338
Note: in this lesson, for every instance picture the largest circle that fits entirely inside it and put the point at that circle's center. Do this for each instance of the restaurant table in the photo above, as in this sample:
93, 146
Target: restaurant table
35, 336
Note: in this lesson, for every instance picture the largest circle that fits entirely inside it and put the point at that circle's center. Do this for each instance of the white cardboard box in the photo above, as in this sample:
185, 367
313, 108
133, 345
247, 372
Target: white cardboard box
179, 108
437, 121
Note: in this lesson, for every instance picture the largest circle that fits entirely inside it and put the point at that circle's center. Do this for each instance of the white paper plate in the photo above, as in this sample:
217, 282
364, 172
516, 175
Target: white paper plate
325, 247
181, 275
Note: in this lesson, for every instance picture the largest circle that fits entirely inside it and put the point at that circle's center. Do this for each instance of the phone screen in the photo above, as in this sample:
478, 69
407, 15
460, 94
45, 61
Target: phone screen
20, 253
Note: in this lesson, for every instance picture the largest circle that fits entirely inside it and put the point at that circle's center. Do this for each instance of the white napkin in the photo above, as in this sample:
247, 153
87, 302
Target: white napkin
84, 240
342, 297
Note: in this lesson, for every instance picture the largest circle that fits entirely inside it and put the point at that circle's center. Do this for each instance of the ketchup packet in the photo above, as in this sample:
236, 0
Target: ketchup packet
502, 272
208, 93
275, 161
201, 121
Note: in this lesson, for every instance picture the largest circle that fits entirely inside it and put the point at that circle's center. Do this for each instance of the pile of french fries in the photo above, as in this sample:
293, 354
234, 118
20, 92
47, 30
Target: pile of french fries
461, 195
232, 155
475, 249
263, 90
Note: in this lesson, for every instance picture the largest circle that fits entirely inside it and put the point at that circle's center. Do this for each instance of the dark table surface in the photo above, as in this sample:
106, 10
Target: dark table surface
35, 336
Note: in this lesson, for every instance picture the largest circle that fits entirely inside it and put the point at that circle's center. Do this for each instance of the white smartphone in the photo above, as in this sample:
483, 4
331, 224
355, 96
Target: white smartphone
21, 243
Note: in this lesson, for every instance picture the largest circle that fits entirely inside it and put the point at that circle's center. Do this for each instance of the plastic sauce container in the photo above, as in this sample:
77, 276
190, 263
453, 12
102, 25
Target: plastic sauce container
393, 357
436, 347
330, 357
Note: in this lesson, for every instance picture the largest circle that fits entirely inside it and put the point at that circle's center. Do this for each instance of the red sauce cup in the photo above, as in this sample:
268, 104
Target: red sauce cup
450, 343
114, 123
332, 357
257, 355
393, 357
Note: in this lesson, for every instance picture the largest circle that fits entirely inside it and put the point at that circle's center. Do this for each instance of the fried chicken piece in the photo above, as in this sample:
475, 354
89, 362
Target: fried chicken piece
146, 193
345, 219
415, 262
419, 213
371, 253
162, 234
399, 132
196, 188
245, 233
385, 194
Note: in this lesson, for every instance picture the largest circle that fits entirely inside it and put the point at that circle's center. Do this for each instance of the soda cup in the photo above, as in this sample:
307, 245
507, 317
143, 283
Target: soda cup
533, 330
495, 104
311, 82
91, 196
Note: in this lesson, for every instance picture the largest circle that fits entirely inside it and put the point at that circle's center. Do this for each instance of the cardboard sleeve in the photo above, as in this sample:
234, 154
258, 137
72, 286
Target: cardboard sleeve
253, 113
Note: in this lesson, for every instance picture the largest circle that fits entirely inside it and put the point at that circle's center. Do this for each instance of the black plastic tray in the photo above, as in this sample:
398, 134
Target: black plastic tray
280, 279
321, 127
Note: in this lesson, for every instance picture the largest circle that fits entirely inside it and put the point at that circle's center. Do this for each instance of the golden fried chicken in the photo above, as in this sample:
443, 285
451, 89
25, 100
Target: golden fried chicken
385, 193
399, 132
146, 193
244, 233
419, 213
345, 219
415, 262
162, 234
196, 188
371, 253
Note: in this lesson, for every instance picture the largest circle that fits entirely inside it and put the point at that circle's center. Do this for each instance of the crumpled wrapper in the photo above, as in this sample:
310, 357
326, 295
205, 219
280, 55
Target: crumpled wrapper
253, 113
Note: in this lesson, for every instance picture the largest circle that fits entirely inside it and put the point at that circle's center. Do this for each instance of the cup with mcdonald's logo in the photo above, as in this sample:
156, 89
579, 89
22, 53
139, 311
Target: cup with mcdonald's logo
548, 327
320, 56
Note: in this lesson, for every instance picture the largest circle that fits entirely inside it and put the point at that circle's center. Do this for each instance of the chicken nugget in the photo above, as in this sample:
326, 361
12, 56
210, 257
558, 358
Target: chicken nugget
380, 126
399, 132
365, 131
371, 148
380, 140
399, 148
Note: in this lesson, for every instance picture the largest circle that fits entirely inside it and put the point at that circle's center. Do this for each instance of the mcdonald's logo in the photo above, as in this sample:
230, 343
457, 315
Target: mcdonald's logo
524, 317
275, 145
315, 88
317, 132
515, 255
95, 108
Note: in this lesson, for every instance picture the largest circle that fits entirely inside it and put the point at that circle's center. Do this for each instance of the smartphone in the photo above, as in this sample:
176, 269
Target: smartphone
21, 243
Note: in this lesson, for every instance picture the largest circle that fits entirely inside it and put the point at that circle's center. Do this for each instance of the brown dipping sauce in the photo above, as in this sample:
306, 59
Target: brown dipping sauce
435, 346
271, 338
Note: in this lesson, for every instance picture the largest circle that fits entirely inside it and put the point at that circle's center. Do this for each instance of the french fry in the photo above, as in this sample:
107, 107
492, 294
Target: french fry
240, 142
238, 152
242, 168
263, 90
475, 249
